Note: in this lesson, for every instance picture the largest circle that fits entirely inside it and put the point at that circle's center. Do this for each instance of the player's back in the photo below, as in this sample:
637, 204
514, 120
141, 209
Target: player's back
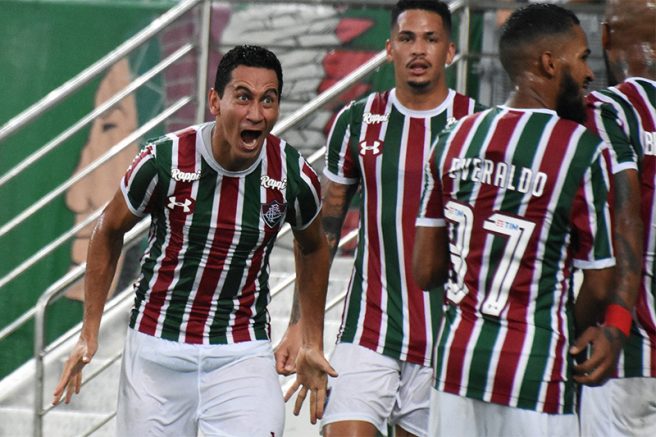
525, 196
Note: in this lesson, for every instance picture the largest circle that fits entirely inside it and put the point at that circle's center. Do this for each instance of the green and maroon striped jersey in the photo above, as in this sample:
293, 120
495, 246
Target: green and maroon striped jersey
625, 116
204, 275
524, 196
382, 145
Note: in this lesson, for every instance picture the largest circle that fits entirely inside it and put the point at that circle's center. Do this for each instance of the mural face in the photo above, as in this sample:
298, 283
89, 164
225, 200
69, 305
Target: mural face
92, 192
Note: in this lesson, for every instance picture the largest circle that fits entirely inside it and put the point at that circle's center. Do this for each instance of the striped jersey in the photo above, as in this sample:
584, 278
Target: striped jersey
524, 196
383, 146
625, 116
204, 275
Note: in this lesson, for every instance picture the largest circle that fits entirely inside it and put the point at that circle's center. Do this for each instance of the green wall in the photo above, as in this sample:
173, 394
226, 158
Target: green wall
42, 45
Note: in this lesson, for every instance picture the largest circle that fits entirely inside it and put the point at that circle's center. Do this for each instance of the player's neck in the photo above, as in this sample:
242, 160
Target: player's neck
422, 100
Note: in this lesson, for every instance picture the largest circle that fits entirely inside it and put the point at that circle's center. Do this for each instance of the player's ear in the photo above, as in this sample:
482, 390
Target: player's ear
548, 63
214, 102
450, 53
388, 50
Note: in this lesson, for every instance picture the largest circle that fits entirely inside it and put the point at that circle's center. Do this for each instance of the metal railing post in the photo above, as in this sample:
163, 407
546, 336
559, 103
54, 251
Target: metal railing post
203, 59
463, 47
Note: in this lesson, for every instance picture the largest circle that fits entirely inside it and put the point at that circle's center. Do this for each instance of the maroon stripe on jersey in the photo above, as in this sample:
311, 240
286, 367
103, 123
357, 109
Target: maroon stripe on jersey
520, 298
552, 399
455, 147
307, 171
557, 146
274, 156
509, 357
411, 197
461, 105
372, 316
166, 272
646, 319
227, 214
637, 101
144, 153
458, 348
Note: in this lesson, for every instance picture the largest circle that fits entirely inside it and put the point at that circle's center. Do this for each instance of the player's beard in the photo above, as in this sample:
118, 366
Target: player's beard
419, 87
570, 103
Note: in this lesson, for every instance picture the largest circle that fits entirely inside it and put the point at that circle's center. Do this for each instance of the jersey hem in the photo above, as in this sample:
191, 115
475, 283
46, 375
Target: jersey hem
430, 222
594, 265
339, 179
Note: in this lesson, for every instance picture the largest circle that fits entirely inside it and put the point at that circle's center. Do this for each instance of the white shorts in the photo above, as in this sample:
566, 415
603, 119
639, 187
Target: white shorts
378, 389
169, 388
452, 415
621, 407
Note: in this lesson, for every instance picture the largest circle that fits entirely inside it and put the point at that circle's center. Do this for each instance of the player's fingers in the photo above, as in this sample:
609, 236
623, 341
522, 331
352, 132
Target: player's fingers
299, 400
329, 369
313, 406
77, 382
581, 343
291, 390
321, 402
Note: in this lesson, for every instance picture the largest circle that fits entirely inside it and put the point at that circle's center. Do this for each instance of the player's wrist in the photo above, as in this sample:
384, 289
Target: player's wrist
619, 317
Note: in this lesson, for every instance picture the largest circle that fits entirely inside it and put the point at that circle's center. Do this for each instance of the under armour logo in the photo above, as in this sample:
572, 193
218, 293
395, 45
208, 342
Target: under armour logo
450, 121
186, 204
373, 147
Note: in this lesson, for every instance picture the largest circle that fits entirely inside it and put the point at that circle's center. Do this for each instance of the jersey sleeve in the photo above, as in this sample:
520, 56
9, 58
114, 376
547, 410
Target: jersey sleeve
431, 208
306, 204
591, 216
340, 164
606, 122
139, 182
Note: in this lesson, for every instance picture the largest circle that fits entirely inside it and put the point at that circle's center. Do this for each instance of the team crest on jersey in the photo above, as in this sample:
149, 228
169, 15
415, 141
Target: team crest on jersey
179, 203
374, 147
369, 118
273, 213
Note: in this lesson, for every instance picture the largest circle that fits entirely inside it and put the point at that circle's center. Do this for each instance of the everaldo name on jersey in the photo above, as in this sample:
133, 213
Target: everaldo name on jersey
499, 174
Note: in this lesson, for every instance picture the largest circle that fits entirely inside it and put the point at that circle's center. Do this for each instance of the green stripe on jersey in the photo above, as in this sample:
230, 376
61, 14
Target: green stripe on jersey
389, 207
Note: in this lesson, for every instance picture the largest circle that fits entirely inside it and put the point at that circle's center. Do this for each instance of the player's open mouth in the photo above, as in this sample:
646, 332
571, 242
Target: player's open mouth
250, 137
418, 66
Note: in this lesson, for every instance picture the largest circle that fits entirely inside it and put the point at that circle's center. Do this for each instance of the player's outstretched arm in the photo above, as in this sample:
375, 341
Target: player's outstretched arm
334, 207
104, 250
312, 367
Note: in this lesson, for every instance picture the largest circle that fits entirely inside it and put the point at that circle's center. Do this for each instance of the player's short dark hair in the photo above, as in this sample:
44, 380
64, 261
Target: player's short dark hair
436, 6
250, 56
528, 24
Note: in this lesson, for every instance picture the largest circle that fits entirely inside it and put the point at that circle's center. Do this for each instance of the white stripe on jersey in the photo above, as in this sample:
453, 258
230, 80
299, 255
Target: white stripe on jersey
365, 248
503, 328
344, 148
556, 321
529, 335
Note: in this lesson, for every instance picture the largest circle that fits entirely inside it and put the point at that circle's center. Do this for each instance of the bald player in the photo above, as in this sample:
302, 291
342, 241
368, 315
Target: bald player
625, 116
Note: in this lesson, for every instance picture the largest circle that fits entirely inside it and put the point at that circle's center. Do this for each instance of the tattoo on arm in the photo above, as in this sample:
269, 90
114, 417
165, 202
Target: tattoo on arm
332, 227
295, 316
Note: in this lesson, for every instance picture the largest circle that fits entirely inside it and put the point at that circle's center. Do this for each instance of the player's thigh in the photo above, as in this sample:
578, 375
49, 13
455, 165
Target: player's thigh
365, 389
451, 415
412, 404
157, 394
242, 399
621, 407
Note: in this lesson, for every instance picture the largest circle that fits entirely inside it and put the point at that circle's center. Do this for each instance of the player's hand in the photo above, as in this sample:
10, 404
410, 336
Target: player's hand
71, 377
606, 344
312, 370
287, 350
